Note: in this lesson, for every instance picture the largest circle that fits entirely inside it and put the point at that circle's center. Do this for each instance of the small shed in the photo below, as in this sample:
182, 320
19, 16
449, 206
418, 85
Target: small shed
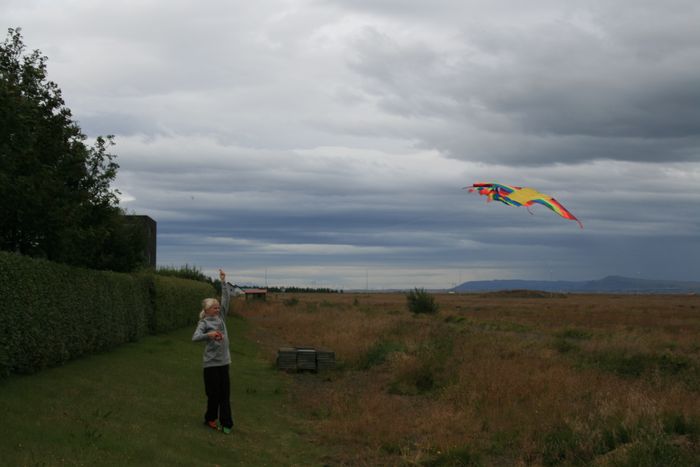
255, 294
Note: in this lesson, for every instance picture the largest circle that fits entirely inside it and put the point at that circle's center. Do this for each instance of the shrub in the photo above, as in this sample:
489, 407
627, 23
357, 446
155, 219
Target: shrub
563, 445
420, 301
655, 450
378, 353
681, 424
564, 345
574, 333
416, 381
635, 364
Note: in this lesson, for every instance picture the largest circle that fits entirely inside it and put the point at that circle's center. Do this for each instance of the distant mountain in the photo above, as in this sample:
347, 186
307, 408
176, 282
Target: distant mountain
609, 284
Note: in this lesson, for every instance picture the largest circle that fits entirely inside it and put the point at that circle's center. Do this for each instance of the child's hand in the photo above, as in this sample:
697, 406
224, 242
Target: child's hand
216, 335
222, 275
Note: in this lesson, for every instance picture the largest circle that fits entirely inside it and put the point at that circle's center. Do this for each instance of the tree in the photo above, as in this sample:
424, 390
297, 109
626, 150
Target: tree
56, 201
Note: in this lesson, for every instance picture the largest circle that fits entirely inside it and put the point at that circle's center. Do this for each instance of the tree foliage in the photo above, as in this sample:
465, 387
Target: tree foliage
56, 200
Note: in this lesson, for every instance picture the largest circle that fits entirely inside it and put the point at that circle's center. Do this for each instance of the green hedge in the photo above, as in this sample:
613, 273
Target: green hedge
175, 302
51, 313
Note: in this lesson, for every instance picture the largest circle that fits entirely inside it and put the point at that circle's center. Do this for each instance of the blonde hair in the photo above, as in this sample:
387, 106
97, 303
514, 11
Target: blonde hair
206, 304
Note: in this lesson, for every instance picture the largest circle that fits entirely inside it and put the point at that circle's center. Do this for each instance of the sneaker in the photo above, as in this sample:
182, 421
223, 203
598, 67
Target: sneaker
227, 431
213, 424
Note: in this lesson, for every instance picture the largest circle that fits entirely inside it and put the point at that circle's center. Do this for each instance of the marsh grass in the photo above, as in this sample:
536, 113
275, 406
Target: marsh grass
510, 379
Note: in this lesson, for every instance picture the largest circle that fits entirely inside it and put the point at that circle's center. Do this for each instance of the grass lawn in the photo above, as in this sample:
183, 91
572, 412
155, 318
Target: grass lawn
143, 404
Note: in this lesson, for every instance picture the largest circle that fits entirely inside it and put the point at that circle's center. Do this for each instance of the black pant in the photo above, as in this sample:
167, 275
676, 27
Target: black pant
218, 389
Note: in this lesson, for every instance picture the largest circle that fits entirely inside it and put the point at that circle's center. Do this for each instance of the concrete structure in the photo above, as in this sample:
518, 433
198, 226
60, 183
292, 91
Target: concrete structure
150, 229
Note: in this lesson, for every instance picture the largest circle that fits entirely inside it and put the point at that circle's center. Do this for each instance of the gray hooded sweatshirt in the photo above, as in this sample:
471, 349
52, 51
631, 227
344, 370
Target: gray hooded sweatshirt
216, 353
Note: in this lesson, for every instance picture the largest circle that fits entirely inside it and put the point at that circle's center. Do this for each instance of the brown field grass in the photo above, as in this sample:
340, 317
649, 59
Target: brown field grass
495, 379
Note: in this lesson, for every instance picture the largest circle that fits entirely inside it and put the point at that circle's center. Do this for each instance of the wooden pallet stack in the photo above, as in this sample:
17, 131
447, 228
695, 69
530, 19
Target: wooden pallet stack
305, 359
325, 359
287, 358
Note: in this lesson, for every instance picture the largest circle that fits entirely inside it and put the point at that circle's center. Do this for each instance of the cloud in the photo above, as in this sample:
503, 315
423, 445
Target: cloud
328, 140
559, 89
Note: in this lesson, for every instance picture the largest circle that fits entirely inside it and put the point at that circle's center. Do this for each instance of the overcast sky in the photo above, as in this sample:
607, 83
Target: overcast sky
326, 142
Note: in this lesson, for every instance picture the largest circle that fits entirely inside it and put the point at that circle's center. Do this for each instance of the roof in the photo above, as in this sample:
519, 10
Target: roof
255, 291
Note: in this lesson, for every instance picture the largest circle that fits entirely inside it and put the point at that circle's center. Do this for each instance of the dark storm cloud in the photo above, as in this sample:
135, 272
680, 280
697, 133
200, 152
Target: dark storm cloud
570, 92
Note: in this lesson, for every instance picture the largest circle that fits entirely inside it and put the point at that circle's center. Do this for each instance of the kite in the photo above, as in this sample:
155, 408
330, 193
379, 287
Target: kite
520, 196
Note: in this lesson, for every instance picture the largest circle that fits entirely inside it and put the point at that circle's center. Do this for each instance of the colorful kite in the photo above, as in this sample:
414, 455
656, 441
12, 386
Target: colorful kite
520, 196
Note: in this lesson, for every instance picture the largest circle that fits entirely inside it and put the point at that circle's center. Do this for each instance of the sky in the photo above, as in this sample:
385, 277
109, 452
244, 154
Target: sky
326, 143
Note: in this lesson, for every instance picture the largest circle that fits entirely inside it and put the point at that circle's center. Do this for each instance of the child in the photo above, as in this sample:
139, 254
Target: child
212, 329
